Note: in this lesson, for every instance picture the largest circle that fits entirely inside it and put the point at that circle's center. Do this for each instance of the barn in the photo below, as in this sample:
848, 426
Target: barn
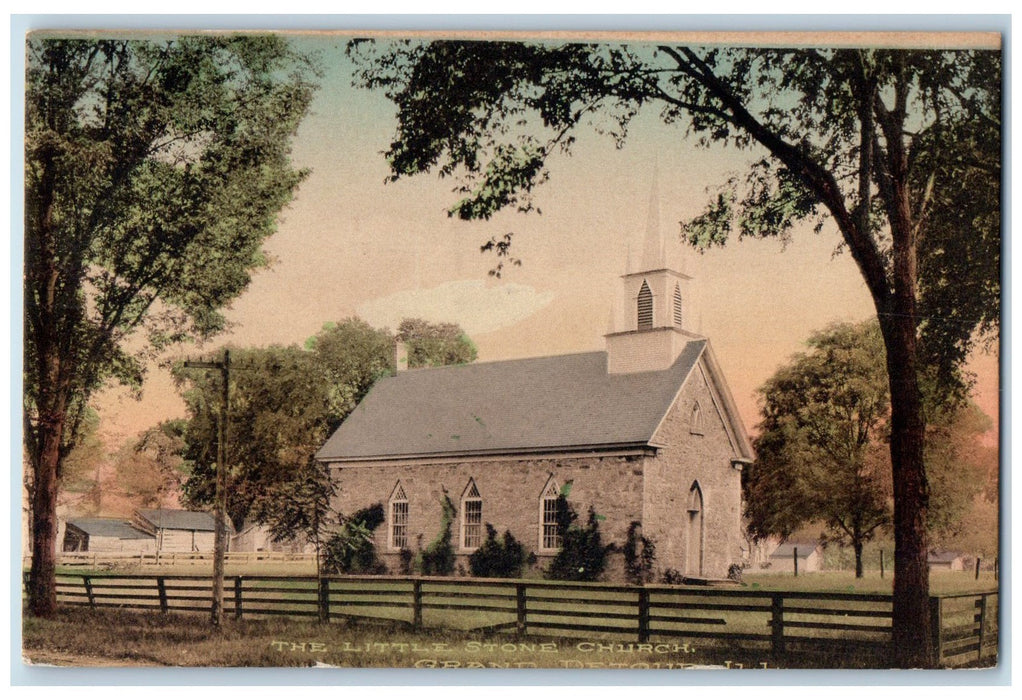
644, 431
106, 535
178, 530
808, 552
943, 560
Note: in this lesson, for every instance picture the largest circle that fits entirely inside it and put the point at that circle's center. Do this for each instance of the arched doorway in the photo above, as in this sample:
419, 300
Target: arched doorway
694, 543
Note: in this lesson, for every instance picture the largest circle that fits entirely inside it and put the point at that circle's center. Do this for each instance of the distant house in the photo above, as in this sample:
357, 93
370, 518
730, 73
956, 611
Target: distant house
106, 535
179, 530
810, 556
946, 561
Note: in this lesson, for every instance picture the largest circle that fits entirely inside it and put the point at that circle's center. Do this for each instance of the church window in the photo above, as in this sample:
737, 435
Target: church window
677, 305
398, 518
551, 538
645, 307
695, 423
471, 517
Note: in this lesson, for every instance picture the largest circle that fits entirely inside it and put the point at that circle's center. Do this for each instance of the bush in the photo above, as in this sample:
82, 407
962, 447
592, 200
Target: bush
583, 555
351, 550
438, 558
673, 577
640, 555
498, 559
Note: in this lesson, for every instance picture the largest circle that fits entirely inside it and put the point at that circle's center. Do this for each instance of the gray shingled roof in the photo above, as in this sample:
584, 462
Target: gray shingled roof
544, 403
787, 549
180, 519
108, 527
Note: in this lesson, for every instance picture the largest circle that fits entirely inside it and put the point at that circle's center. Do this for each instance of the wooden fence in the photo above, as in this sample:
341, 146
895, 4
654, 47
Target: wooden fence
174, 558
785, 625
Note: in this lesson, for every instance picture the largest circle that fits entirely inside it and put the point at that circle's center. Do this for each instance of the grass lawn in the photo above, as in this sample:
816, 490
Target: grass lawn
941, 582
119, 638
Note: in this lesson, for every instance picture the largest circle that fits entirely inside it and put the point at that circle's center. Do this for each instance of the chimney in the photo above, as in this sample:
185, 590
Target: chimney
400, 356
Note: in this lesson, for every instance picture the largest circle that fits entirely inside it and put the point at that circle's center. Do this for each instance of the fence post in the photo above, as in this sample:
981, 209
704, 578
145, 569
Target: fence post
237, 597
161, 585
643, 615
936, 624
982, 623
416, 604
324, 599
795, 558
881, 563
777, 625
88, 591
520, 606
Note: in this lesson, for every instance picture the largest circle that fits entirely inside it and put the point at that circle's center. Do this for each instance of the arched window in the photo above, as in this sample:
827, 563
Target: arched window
471, 517
398, 508
677, 305
695, 422
549, 537
645, 307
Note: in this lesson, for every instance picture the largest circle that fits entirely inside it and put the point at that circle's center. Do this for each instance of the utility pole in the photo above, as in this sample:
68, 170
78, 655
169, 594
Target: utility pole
220, 506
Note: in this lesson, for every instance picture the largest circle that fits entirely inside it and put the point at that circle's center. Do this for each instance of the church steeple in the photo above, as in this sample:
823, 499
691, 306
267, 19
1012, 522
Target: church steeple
658, 305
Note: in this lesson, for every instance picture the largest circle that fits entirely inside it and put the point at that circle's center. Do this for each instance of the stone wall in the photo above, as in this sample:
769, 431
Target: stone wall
694, 454
511, 492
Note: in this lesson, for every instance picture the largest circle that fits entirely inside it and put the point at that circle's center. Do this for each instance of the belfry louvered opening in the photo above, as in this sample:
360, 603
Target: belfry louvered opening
677, 306
645, 307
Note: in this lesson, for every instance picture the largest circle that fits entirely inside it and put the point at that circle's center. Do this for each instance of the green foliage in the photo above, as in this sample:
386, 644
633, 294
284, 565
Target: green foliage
351, 550
434, 345
582, 556
498, 559
287, 400
438, 558
154, 171
640, 555
820, 447
151, 468
298, 507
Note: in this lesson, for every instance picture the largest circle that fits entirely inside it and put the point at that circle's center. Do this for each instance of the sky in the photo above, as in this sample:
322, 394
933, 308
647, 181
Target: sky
352, 244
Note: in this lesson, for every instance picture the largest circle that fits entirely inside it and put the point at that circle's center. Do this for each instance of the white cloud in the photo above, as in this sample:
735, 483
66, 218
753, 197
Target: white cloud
478, 306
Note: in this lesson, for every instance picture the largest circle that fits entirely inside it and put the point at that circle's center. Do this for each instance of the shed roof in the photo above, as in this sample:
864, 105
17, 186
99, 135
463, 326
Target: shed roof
787, 549
535, 404
108, 527
181, 519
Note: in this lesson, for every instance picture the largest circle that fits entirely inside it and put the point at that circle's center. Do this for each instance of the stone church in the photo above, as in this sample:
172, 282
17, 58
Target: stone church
645, 430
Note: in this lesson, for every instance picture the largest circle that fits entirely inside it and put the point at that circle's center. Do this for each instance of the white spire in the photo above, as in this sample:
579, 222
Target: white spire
653, 252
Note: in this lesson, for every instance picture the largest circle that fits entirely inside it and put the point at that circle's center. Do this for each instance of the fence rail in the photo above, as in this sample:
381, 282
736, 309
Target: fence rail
782, 624
173, 558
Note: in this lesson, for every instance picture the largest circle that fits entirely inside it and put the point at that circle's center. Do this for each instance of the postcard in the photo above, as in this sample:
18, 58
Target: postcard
649, 351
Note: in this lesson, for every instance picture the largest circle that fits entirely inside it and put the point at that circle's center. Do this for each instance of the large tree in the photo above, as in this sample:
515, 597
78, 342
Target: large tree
821, 451
877, 139
154, 170
824, 412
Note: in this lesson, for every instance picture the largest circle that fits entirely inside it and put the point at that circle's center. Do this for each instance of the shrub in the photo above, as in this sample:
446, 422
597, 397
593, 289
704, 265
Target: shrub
498, 559
734, 572
640, 555
673, 576
351, 549
583, 555
438, 558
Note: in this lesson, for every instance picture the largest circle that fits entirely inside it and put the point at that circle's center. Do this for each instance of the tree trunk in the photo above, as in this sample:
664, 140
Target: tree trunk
911, 618
42, 584
857, 546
